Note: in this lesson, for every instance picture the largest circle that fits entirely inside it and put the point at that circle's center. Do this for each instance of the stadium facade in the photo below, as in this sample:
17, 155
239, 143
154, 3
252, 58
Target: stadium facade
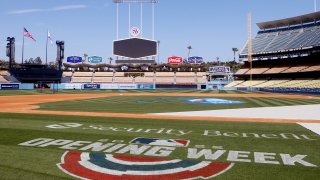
285, 56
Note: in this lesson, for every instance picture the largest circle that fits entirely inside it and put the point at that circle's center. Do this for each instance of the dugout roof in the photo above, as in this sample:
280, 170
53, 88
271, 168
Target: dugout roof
307, 18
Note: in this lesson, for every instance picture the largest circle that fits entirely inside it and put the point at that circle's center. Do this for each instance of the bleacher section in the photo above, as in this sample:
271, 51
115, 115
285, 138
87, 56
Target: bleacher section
3, 80
82, 77
277, 84
249, 84
241, 71
2, 74
6, 78
287, 39
311, 68
148, 78
295, 69
257, 71
276, 70
234, 84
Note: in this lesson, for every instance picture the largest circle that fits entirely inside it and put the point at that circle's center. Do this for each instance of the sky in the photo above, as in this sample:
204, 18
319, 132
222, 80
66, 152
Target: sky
211, 27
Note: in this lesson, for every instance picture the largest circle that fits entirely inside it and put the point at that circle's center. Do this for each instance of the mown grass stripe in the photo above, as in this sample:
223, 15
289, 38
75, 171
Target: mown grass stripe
271, 102
258, 102
295, 101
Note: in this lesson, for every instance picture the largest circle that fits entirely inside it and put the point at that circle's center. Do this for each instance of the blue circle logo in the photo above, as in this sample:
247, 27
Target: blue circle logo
213, 101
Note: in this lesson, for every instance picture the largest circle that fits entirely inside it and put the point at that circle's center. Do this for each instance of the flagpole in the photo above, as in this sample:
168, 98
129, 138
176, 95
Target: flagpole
47, 48
22, 46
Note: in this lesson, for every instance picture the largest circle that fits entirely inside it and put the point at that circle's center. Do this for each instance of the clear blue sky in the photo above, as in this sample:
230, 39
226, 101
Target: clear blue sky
211, 27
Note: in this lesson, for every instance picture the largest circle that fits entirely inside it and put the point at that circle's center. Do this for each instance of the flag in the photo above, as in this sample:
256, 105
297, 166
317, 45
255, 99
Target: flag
50, 38
27, 34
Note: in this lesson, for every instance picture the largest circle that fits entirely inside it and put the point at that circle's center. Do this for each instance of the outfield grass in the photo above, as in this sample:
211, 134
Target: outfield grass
126, 104
20, 162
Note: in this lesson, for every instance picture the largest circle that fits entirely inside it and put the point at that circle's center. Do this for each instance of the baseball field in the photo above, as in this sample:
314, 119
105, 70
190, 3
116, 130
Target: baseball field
159, 135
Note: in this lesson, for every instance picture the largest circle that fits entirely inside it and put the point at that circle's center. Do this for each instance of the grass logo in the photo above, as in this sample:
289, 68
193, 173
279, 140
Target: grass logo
64, 125
213, 101
161, 142
106, 166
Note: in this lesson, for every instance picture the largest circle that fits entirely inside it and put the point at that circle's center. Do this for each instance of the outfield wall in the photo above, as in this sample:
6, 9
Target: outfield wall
90, 86
16, 86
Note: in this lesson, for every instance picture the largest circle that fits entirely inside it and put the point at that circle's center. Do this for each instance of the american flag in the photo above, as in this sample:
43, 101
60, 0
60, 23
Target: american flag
27, 34
50, 38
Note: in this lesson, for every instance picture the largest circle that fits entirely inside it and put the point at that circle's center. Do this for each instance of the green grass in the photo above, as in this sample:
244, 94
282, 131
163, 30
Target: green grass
165, 104
18, 162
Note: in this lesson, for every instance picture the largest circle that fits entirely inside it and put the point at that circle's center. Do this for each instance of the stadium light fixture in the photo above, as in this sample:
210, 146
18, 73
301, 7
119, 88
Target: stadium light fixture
135, 1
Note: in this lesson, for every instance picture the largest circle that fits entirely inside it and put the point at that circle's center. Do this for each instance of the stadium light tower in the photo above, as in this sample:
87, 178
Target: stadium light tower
129, 2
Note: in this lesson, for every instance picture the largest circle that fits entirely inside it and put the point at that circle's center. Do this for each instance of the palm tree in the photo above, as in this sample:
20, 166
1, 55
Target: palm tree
234, 53
85, 55
189, 49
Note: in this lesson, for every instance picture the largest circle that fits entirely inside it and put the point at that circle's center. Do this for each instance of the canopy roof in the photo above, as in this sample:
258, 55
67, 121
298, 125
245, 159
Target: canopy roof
307, 18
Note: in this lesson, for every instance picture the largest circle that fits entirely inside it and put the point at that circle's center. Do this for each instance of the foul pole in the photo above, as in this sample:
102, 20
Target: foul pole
250, 45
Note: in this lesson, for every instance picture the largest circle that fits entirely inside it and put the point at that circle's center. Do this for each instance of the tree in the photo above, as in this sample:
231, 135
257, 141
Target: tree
234, 53
37, 60
85, 55
189, 49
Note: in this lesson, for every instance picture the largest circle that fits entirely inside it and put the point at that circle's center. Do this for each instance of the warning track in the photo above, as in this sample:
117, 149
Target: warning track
27, 104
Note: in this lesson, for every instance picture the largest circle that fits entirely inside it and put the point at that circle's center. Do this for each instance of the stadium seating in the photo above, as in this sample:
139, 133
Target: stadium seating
165, 80
311, 68
3, 80
276, 70
119, 80
249, 84
285, 39
277, 84
144, 80
295, 69
234, 84
67, 74
83, 74
102, 79
4, 73
271, 83
257, 70
82, 77
241, 71
147, 78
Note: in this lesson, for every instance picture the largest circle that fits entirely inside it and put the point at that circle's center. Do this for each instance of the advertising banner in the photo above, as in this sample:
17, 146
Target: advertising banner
74, 59
175, 60
145, 86
219, 69
91, 86
195, 60
9, 86
109, 86
95, 59
72, 86
127, 86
